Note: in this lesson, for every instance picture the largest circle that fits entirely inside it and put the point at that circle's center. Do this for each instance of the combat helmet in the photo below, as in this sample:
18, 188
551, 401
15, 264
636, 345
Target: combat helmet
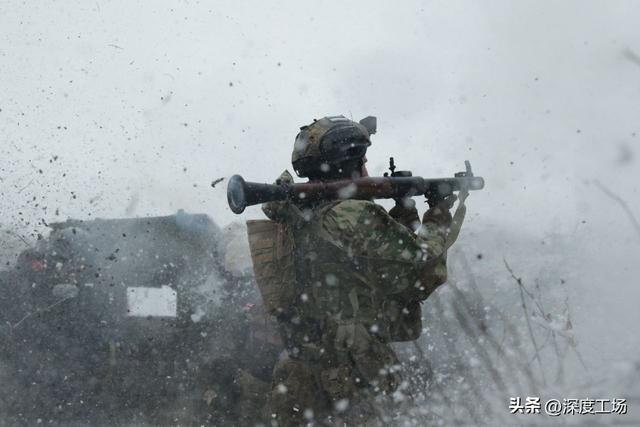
331, 146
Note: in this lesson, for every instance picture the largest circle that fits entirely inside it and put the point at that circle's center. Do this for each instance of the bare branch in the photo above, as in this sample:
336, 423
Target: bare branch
480, 351
622, 203
528, 320
505, 321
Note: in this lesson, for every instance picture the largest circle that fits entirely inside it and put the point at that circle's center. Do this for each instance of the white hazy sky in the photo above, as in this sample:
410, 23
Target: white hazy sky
143, 104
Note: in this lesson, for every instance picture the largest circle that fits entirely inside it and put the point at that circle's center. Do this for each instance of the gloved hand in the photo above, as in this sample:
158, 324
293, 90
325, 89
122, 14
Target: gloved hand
439, 213
405, 213
284, 178
278, 211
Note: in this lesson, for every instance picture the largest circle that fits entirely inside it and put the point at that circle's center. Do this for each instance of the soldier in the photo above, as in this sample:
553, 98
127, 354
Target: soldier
344, 279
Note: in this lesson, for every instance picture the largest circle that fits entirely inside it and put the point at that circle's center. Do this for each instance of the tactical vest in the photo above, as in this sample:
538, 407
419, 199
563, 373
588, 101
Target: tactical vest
272, 253
306, 281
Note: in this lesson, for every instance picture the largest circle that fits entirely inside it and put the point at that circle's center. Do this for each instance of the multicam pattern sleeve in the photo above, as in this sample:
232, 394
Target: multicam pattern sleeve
396, 262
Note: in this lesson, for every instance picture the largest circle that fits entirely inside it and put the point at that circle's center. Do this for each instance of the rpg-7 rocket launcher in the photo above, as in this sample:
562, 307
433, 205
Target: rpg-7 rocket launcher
397, 185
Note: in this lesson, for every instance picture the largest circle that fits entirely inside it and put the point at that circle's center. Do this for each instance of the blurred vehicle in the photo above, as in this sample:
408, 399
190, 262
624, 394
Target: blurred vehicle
131, 321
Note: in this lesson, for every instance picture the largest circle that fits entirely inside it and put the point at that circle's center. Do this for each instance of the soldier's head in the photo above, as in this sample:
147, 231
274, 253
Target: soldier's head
333, 147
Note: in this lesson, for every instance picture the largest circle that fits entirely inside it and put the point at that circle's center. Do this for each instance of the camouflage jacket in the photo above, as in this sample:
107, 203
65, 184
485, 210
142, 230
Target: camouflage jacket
356, 263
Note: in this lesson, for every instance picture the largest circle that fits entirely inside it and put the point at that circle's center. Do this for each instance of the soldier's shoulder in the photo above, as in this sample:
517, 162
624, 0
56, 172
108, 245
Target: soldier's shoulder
357, 207
352, 213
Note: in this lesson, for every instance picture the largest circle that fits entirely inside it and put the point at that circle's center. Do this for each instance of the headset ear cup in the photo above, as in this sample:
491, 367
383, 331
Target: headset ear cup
338, 150
357, 151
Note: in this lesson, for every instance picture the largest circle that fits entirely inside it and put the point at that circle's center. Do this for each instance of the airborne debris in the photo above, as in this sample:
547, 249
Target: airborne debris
631, 56
216, 182
625, 154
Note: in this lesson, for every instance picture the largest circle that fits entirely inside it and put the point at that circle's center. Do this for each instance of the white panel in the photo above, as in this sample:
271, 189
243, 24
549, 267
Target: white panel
155, 302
